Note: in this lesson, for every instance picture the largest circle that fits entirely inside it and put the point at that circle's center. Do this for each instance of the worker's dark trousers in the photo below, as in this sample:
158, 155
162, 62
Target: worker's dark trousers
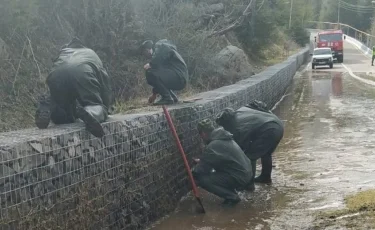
220, 184
373, 58
71, 86
264, 144
164, 80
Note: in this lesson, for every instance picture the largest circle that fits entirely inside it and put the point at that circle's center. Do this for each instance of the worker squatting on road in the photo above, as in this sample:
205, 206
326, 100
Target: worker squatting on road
79, 87
232, 169
165, 72
258, 133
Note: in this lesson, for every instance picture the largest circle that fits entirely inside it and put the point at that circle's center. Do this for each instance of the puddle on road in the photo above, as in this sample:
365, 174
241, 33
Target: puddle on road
324, 156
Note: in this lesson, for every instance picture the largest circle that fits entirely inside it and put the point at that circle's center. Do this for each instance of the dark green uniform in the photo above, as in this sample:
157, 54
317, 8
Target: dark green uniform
232, 167
373, 55
77, 75
258, 133
168, 70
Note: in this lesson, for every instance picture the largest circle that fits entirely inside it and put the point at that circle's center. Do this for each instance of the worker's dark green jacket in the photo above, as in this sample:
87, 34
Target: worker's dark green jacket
87, 63
224, 155
165, 55
248, 123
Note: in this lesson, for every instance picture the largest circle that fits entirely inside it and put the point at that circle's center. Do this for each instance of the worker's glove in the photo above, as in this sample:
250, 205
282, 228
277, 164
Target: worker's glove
258, 105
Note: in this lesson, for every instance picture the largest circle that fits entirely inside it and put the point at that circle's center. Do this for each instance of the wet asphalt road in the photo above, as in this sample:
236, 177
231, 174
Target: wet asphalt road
327, 153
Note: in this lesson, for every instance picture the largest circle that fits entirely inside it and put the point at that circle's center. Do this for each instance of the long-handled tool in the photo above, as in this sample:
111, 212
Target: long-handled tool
192, 181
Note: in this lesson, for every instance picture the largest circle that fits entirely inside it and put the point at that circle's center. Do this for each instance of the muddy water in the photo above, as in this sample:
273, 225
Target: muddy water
327, 152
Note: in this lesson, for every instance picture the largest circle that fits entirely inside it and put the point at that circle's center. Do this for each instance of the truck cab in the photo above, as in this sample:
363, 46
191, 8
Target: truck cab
332, 39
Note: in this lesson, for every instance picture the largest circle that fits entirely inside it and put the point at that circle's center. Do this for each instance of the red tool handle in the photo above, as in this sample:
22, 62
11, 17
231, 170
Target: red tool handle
173, 129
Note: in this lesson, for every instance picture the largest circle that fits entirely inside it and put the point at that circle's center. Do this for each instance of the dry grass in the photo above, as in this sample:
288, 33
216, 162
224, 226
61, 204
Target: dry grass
271, 56
141, 104
359, 213
114, 30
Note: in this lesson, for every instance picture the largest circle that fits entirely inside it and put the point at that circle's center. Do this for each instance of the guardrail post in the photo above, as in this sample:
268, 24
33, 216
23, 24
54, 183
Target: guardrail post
367, 41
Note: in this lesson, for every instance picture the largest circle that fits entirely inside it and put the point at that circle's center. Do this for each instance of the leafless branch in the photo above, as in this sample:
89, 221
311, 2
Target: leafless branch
238, 22
36, 62
19, 65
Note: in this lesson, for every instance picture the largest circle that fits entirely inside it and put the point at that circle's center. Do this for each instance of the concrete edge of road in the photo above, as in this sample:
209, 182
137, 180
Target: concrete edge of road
350, 72
366, 51
362, 47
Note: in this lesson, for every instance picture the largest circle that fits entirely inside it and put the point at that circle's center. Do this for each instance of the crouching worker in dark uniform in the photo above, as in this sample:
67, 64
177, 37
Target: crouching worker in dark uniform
79, 87
165, 72
258, 133
232, 169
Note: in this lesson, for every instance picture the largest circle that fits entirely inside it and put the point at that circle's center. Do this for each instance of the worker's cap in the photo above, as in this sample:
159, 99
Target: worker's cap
225, 116
148, 44
205, 125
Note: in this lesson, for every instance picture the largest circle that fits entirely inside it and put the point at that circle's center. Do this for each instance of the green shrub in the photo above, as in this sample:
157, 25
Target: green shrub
300, 35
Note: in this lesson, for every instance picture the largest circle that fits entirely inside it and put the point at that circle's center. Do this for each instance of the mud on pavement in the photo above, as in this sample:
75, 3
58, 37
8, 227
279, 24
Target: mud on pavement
326, 154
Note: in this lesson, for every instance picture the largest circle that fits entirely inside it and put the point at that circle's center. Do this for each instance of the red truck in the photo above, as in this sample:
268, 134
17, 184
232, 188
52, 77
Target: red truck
333, 39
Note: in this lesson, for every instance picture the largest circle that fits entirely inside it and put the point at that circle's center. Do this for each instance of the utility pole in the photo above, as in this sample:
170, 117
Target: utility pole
290, 14
253, 16
338, 14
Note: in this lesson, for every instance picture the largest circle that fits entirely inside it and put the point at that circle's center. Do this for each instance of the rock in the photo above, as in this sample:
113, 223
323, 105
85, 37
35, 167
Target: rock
146, 206
134, 221
71, 149
19, 180
78, 150
38, 190
37, 146
76, 139
61, 154
233, 59
108, 141
57, 169
71, 165
5, 172
41, 174
51, 162
30, 162
7, 155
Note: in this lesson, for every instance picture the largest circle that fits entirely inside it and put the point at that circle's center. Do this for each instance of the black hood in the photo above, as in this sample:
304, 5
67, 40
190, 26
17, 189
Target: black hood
221, 134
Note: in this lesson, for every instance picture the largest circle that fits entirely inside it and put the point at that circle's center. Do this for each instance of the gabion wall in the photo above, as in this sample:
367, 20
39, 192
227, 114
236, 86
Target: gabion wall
64, 178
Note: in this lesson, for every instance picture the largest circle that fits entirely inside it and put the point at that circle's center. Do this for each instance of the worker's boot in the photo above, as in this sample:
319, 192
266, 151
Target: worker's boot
165, 101
164, 92
92, 116
231, 202
152, 98
43, 112
166, 98
265, 176
251, 185
174, 96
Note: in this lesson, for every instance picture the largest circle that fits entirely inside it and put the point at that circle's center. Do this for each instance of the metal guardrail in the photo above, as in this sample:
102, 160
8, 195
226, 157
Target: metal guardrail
362, 36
